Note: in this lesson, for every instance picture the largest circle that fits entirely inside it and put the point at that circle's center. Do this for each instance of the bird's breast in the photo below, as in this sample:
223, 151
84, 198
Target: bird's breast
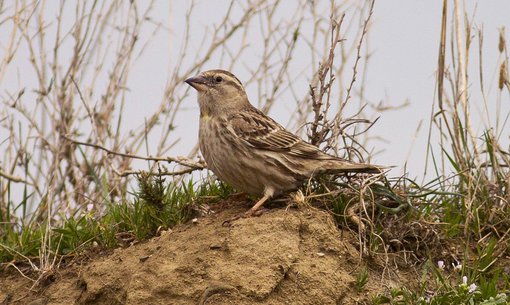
244, 167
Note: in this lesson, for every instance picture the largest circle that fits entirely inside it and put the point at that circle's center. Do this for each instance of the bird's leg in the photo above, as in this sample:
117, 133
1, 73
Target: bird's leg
257, 205
254, 211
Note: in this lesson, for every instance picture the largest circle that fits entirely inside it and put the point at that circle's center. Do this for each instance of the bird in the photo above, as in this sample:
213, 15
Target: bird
249, 150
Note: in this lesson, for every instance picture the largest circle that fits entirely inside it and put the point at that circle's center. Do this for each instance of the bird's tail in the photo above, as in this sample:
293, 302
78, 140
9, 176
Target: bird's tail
343, 166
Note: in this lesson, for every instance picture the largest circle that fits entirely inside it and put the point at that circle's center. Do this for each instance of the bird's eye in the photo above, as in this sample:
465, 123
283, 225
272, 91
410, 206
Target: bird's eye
218, 79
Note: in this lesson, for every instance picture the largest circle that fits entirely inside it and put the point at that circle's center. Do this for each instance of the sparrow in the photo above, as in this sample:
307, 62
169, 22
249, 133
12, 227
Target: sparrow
249, 150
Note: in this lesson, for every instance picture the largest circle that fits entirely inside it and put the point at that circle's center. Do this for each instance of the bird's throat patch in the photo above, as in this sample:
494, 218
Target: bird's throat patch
204, 115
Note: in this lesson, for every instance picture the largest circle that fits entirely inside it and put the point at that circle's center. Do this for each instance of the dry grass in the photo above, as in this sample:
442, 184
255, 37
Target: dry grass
66, 145
65, 142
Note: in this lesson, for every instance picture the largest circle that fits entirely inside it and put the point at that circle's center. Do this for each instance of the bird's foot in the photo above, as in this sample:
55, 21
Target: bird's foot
252, 213
228, 222
247, 214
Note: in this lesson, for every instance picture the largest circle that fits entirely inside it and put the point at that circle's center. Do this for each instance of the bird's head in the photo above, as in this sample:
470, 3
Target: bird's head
219, 92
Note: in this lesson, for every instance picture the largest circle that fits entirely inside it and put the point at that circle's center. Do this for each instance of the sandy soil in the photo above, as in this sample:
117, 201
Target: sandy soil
285, 256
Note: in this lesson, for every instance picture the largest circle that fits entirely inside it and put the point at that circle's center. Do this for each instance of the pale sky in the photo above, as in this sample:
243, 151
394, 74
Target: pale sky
403, 40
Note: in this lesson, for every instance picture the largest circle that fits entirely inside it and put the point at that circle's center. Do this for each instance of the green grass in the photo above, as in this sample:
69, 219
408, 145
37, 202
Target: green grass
462, 220
469, 217
361, 279
427, 221
156, 206
438, 285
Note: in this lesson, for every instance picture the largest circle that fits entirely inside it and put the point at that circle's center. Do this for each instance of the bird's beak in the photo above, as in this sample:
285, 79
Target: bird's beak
197, 82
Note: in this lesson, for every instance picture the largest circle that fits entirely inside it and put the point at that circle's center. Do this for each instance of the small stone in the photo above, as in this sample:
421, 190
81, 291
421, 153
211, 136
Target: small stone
165, 232
320, 254
144, 258
215, 247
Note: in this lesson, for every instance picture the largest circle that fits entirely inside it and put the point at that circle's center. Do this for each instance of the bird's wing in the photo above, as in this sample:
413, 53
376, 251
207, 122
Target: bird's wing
262, 132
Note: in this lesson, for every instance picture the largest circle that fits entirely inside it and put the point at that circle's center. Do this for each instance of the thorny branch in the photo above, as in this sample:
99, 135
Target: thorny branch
323, 130
71, 118
179, 160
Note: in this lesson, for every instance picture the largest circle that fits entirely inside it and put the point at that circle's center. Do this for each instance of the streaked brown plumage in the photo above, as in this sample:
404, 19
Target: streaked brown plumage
250, 151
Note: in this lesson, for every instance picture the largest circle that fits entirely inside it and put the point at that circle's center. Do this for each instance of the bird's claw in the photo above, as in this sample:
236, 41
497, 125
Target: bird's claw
251, 213
228, 222
247, 214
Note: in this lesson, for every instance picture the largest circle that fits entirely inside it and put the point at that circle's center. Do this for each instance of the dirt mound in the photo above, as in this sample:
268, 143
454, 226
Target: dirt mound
282, 257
